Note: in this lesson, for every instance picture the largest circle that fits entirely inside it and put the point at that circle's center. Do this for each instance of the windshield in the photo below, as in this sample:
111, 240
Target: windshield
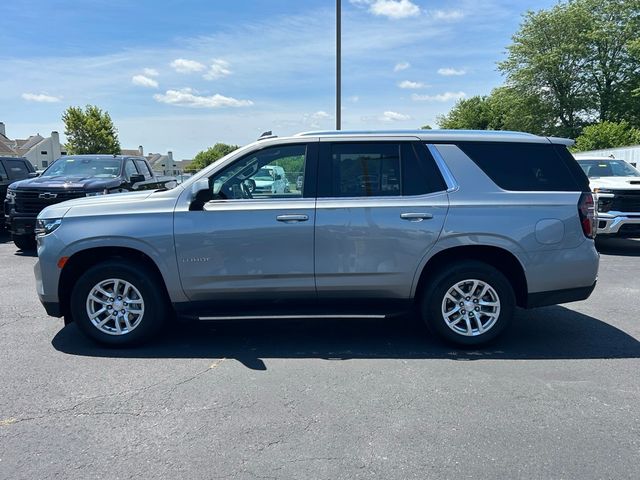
84, 167
608, 168
263, 174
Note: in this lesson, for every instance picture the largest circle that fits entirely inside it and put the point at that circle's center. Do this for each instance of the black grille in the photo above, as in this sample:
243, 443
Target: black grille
31, 202
626, 201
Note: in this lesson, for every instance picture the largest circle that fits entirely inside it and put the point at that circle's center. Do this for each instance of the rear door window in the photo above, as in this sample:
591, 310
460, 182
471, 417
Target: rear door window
378, 169
16, 169
523, 166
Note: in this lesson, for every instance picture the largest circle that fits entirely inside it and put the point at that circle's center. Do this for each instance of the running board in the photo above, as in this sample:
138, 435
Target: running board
286, 317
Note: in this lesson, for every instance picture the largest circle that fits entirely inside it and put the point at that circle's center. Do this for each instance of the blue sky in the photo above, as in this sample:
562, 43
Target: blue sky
183, 75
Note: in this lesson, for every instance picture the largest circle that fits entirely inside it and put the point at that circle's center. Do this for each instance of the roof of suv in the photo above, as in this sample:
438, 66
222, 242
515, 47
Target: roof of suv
444, 135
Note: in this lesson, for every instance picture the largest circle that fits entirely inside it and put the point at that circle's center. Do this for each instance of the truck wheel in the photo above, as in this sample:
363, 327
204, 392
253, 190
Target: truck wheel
119, 303
468, 303
24, 242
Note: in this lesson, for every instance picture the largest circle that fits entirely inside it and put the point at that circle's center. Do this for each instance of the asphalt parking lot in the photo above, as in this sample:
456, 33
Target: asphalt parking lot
557, 397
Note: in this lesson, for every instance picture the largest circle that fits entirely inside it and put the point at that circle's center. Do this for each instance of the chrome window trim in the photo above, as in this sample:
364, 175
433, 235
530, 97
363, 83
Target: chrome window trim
449, 179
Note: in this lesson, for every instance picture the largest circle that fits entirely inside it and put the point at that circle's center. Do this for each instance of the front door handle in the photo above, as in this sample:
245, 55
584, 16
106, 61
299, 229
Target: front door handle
292, 218
416, 217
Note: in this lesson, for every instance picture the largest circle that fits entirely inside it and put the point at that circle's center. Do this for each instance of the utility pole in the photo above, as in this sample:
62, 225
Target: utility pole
338, 63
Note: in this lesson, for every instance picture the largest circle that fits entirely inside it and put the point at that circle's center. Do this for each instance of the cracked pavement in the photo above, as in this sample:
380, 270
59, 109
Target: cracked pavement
557, 397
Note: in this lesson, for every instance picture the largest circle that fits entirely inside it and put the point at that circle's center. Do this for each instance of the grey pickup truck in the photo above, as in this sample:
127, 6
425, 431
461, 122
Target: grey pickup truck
69, 177
459, 227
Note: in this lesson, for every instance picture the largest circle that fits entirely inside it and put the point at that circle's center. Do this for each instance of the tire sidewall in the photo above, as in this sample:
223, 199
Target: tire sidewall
155, 304
442, 282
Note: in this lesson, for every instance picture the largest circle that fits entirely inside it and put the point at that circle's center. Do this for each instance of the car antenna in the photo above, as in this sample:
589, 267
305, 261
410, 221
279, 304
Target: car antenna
267, 134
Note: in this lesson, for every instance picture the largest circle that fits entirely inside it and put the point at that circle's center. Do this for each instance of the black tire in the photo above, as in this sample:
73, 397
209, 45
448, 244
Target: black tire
444, 280
156, 305
24, 242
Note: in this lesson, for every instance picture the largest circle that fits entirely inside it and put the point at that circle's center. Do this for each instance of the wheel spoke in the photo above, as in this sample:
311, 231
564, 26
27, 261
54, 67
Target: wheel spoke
97, 313
469, 328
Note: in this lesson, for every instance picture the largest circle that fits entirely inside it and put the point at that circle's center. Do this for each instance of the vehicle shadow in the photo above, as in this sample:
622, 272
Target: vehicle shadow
627, 247
543, 334
5, 237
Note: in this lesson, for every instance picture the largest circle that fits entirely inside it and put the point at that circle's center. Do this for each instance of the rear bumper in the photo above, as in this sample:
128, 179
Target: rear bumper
541, 299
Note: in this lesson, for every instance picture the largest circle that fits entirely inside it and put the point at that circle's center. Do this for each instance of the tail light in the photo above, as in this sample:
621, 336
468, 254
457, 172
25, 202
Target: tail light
587, 213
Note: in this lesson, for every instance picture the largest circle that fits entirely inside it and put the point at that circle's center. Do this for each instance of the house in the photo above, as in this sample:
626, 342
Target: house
40, 151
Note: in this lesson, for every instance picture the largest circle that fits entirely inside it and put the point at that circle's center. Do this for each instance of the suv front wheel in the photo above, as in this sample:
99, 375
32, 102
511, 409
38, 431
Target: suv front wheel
468, 303
118, 303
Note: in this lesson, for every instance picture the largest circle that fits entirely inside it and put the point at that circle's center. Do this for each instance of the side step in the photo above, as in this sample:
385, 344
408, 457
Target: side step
286, 317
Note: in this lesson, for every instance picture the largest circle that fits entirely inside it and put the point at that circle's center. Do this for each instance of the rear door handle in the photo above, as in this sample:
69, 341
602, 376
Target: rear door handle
416, 217
292, 218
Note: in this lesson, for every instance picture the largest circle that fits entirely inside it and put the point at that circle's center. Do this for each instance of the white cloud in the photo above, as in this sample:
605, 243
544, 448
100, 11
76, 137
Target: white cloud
219, 68
40, 97
188, 97
447, 15
150, 72
182, 65
394, 117
393, 9
143, 81
320, 115
408, 84
448, 72
401, 66
441, 97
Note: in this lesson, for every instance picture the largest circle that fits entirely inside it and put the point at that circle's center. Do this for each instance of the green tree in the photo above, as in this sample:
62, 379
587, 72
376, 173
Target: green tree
504, 109
607, 135
613, 67
467, 114
548, 58
581, 59
210, 155
90, 131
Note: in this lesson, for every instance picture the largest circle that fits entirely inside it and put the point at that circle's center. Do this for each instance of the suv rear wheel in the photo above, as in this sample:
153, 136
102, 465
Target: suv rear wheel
468, 303
118, 303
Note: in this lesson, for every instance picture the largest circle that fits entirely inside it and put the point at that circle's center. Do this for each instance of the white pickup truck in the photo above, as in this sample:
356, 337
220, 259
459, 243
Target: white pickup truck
616, 185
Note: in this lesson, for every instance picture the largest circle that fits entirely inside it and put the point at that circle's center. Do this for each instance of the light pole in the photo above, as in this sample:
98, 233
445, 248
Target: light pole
338, 62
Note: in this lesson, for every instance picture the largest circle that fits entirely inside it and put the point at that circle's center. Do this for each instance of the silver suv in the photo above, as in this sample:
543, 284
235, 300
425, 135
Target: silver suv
461, 227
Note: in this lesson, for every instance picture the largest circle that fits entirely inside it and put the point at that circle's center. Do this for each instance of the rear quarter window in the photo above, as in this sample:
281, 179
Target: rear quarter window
526, 166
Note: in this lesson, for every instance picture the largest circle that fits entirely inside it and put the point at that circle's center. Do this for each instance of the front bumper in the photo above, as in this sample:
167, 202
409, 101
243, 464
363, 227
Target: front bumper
620, 224
20, 225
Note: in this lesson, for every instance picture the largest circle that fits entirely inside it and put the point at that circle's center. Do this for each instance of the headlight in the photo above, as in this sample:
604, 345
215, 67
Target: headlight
93, 194
46, 226
602, 190
11, 196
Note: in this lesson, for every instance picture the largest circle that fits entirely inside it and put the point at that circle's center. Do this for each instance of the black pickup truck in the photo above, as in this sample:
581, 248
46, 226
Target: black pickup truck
69, 177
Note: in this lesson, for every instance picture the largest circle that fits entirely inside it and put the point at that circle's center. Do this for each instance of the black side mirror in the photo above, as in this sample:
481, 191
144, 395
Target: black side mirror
136, 177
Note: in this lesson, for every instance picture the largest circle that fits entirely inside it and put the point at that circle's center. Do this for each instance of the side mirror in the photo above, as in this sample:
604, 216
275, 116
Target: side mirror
33, 175
136, 178
200, 185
